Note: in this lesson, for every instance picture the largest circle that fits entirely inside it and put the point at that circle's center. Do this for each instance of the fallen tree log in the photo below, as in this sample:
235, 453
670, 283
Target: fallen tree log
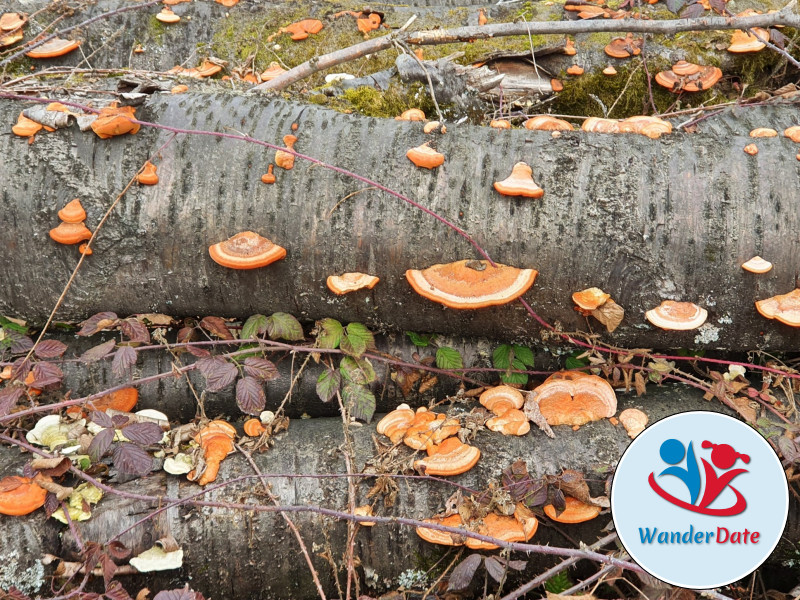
238, 553
644, 220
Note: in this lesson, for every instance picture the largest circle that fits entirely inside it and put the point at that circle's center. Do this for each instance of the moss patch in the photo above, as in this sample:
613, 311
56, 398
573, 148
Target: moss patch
374, 103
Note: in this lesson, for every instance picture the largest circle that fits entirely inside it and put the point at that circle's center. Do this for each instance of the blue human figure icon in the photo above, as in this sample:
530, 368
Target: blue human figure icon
672, 452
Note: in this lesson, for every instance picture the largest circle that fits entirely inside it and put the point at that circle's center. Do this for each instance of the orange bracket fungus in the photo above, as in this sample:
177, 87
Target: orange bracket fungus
283, 159
743, 42
609, 71
688, 77
253, 427
167, 16
451, 457
751, 149
784, 308
569, 47
575, 70
442, 538
482, 18
26, 127
425, 157
122, 400
148, 176
395, 424
20, 496
556, 85
369, 22
115, 120
763, 132
757, 265
11, 20
216, 439
575, 398
351, 282
624, 47
179, 89
84, 249
70, 233
73, 212
575, 512
502, 398
547, 123
302, 29
500, 124
793, 133
246, 250
519, 183
269, 176
468, 284
428, 429
412, 114
505, 528
678, 316
633, 420
273, 71
510, 422
590, 299
54, 48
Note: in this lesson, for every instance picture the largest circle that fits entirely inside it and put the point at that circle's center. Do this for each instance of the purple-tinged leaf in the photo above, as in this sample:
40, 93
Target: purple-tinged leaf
97, 323
219, 373
692, 11
130, 459
119, 421
98, 352
114, 589
284, 326
135, 331
261, 368
216, 326
462, 575
185, 335
675, 6
494, 568
98, 417
46, 373
717, 6
179, 594
198, 351
789, 450
9, 397
50, 349
360, 401
777, 38
17, 343
124, 359
20, 369
100, 445
328, 384
143, 433
118, 550
250, 395
15, 594
51, 505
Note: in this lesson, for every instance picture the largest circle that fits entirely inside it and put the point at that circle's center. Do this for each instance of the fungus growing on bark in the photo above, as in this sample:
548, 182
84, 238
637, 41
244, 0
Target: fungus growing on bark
793, 133
428, 429
253, 427
510, 422
624, 47
500, 124
600, 125
575, 70
12, 37
208, 68
123, 400
590, 298
284, 159
12, 20
556, 85
227, 3
148, 176
70, 233
273, 71
688, 77
179, 89
216, 439
677, 316
652, 127
442, 538
412, 114
519, 183
547, 123
575, 398
502, 398
73, 212
757, 265
84, 249
351, 282
269, 176
743, 42
751, 149
54, 48
364, 511
468, 284
505, 528
763, 132
569, 47
449, 458
115, 120
784, 308
302, 29
425, 157
609, 71
482, 18
167, 16
575, 512
246, 250
26, 127
633, 420
395, 424
20, 496
370, 22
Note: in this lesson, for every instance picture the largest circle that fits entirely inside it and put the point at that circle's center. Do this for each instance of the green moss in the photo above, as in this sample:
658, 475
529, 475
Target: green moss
374, 103
156, 29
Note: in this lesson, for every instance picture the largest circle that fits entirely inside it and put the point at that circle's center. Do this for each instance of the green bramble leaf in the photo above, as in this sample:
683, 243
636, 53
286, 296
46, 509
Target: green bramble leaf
421, 340
329, 334
360, 400
284, 326
449, 358
328, 384
513, 358
357, 370
357, 339
254, 326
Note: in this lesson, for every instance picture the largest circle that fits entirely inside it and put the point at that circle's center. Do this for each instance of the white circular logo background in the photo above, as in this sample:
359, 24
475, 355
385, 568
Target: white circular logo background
699, 499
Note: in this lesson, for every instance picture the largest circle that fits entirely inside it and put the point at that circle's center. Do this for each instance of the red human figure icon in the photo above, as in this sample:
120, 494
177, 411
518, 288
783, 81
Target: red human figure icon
724, 457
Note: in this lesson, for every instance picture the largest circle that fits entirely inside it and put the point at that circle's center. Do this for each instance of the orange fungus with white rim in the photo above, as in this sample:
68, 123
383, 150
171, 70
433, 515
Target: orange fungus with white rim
677, 316
519, 183
246, 250
351, 282
467, 284
784, 308
757, 265
575, 398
